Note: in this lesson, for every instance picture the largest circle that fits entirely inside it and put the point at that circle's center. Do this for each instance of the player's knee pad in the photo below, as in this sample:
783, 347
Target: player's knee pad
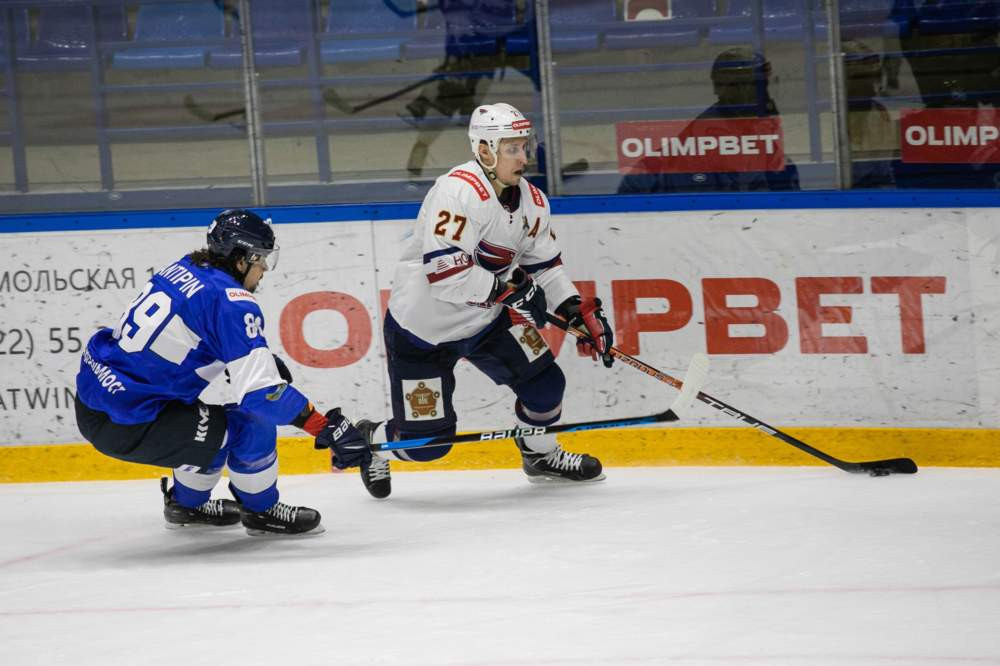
420, 455
539, 399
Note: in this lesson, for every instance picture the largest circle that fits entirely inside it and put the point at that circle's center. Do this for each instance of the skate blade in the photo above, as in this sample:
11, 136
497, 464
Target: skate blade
545, 480
316, 531
198, 526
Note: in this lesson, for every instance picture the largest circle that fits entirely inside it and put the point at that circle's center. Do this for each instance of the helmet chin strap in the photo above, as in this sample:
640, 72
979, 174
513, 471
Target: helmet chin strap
491, 172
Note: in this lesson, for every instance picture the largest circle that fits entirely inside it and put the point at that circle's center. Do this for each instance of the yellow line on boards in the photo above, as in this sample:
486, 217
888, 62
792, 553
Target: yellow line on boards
615, 448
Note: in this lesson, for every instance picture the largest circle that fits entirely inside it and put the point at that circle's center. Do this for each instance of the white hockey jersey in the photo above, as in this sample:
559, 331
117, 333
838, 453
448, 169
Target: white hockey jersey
462, 238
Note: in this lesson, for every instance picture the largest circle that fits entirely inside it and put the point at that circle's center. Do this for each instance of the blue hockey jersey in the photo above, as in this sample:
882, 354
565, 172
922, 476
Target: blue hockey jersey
189, 323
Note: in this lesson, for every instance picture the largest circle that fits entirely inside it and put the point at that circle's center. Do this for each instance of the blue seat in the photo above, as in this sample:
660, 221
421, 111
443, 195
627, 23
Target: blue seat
282, 30
363, 30
950, 17
576, 25
65, 35
872, 18
683, 28
783, 21
172, 22
461, 28
773, 9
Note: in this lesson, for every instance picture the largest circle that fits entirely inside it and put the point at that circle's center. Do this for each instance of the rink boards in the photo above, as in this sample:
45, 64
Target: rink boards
867, 332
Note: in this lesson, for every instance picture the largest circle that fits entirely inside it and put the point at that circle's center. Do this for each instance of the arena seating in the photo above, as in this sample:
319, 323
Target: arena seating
176, 35
959, 16
66, 35
198, 35
473, 33
283, 30
362, 31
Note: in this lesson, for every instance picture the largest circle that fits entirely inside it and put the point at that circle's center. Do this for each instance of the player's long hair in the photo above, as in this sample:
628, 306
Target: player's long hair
204, 257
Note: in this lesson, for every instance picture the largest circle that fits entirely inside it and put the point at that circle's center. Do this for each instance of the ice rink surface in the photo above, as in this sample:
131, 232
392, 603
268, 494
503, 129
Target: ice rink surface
653, 566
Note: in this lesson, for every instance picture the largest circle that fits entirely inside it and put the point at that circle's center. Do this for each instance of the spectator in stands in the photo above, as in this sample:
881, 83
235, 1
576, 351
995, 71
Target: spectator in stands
952, 49
740, 80
872, 131
970, 73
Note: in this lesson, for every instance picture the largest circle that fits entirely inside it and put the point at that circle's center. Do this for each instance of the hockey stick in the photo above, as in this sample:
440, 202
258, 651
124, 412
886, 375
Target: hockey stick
207, 116
693, 382
331, 97
874, 467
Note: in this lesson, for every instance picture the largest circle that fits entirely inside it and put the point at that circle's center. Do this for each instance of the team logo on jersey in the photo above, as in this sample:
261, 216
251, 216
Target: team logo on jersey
492, 257
234, 294
531, 341
276, 394
471, 179
422, 396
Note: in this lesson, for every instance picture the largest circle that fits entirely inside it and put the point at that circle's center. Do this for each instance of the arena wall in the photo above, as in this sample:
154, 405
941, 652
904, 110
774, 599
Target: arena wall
868, 328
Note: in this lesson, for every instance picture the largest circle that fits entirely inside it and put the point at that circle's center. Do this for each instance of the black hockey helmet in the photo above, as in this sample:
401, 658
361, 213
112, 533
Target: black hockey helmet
740, 65
243, 232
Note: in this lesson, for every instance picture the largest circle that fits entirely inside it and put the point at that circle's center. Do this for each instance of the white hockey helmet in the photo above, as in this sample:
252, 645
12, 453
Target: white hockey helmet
493, 122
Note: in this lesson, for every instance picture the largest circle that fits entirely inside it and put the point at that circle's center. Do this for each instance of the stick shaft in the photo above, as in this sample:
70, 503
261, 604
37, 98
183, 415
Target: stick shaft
491, 435
394, 94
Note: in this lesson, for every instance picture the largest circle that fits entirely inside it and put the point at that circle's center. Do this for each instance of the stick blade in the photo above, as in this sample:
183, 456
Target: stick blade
694, 380
887, 467
198, 111
331, 97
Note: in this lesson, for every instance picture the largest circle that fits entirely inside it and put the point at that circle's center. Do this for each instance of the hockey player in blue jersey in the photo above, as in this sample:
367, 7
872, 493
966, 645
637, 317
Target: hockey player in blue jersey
138, 387
475, 281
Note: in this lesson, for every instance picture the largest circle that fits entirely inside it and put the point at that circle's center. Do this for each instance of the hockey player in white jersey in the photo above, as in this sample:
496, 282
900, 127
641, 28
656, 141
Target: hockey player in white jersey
138, 387
475, 281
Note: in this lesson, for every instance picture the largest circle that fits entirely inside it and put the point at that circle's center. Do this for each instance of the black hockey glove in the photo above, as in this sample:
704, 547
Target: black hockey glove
350, 448
525, 299
586, 314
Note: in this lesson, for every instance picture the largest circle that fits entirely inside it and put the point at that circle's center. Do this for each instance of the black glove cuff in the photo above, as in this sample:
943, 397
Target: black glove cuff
568, 308
300, 420
283, 371
498, 288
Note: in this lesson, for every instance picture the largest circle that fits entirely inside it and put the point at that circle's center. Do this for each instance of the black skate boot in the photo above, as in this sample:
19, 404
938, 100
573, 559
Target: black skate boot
558, 465
374, 475
213, 513
282, 519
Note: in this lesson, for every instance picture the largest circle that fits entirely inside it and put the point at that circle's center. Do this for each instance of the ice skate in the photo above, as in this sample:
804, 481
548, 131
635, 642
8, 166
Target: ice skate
375, 475
559, 466
282, 519
213, 513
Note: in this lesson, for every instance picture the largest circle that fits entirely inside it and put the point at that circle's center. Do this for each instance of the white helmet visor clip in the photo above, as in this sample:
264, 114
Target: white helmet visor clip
267, 259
